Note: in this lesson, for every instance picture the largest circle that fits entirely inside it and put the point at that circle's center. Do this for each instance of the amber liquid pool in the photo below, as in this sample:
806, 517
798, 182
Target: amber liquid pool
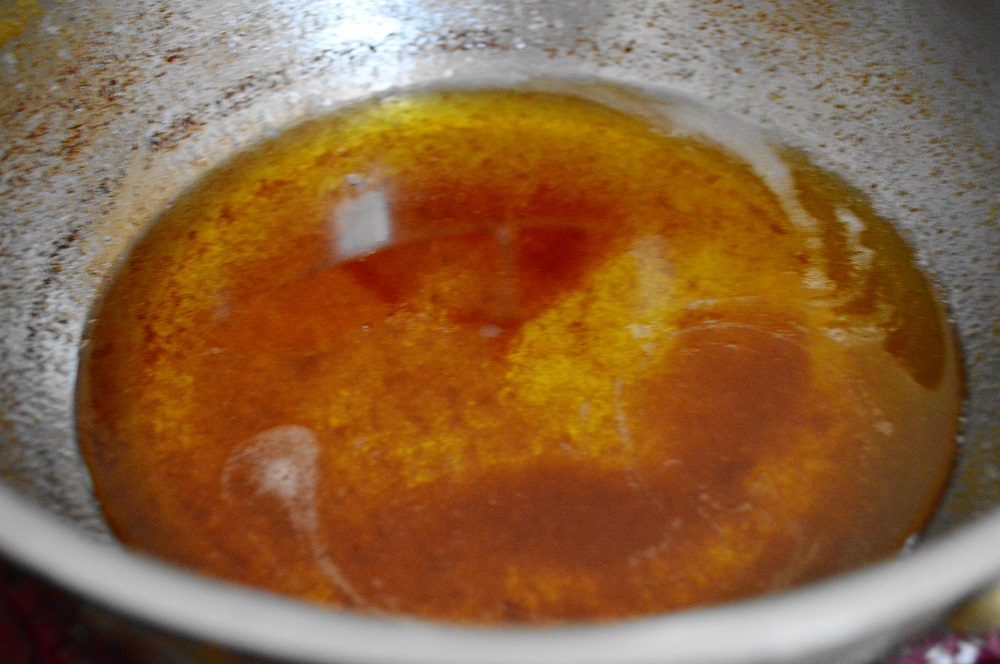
519, 356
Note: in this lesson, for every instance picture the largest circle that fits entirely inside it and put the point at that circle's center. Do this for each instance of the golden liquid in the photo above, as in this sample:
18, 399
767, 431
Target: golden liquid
504, 356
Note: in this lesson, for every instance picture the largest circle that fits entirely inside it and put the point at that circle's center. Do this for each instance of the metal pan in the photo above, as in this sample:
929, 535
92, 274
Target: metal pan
112, 108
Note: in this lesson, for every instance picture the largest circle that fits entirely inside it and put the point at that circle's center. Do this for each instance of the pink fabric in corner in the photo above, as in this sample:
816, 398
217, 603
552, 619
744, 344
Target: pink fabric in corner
951, 649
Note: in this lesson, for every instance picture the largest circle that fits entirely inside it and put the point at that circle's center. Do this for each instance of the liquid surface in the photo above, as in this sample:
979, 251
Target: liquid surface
514, 356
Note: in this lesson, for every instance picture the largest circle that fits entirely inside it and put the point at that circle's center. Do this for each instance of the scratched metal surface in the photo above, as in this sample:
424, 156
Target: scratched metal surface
111, 108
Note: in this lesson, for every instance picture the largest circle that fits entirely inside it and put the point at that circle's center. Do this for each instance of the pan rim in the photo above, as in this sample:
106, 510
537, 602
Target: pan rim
872, 603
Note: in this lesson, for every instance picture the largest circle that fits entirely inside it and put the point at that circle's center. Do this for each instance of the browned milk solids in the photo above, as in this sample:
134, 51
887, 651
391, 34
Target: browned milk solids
505, 356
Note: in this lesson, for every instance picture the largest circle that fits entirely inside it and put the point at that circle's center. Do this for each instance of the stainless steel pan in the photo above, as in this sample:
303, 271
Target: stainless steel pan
111, 108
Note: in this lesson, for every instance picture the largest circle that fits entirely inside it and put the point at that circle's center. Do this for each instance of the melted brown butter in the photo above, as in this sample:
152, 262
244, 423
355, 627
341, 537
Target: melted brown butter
505, 356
